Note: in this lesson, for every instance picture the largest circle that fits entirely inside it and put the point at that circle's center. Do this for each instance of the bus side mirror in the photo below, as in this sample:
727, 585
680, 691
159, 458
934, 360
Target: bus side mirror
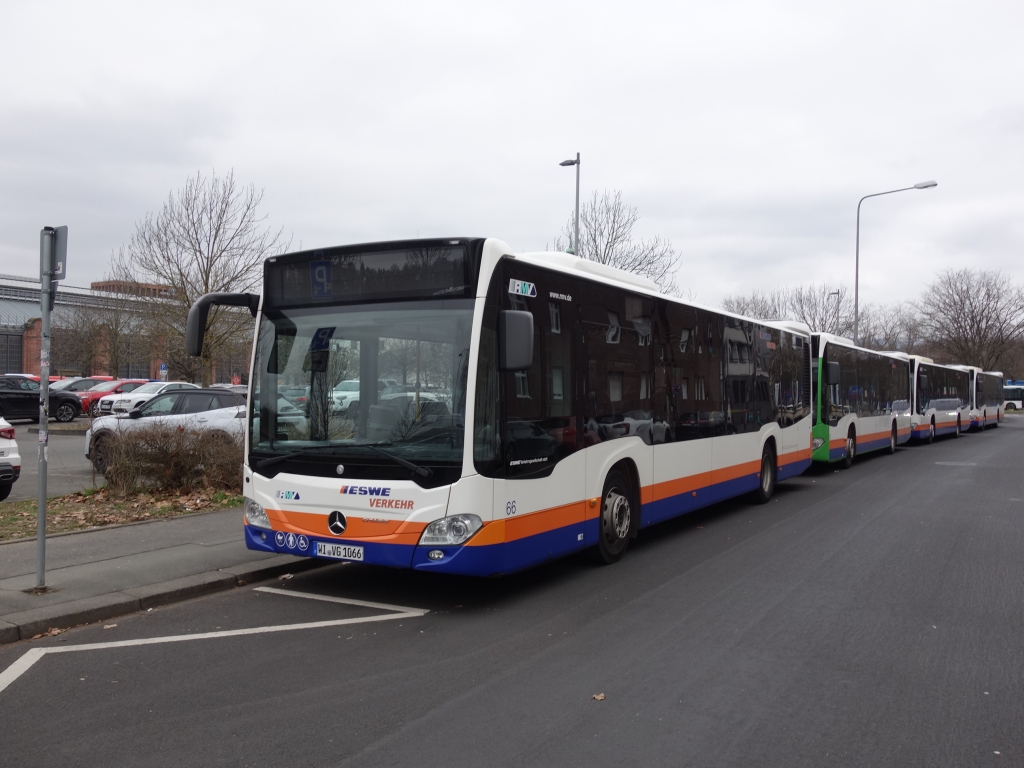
515, 329
833, 373
195, 327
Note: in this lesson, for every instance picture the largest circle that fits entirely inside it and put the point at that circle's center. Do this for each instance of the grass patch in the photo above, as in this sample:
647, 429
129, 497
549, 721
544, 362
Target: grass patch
95, 508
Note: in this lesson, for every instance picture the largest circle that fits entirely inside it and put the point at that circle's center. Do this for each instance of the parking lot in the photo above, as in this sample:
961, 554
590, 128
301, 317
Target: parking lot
67, 468
865, 617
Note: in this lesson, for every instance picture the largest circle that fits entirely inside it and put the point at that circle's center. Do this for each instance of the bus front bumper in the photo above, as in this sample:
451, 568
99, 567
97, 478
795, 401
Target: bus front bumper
466, 560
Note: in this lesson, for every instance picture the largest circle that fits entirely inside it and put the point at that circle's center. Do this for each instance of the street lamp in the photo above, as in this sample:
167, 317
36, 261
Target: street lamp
576, 236
856, 274
836, 324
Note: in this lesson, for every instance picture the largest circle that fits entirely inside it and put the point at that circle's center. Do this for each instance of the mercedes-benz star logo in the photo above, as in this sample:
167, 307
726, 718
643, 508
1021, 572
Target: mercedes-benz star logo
336, 523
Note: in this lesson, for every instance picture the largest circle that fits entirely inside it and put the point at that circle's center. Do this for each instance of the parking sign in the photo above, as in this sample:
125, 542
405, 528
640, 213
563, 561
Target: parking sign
320, 280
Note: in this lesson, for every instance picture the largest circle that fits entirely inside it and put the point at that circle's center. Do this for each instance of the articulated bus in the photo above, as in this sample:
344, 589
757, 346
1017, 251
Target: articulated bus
861, 399
941, 399
1013, 396
497, 410
986, 396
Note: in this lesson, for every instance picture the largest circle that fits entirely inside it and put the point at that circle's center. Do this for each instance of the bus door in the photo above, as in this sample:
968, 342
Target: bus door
541, 497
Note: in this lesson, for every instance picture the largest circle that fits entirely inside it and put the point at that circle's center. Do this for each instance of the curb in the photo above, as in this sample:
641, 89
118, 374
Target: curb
51, 431
23, 625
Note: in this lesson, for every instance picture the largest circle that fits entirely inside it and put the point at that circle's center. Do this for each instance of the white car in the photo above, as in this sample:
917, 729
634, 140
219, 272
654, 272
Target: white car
128, 401
10, 459
208, 410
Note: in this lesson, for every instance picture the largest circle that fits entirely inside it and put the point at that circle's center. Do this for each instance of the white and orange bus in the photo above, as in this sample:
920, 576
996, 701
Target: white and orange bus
986, 396
941, 399
861, 399
511, 408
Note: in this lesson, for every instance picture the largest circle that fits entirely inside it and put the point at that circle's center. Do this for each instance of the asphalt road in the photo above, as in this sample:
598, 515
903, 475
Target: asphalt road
67, 468
868, 617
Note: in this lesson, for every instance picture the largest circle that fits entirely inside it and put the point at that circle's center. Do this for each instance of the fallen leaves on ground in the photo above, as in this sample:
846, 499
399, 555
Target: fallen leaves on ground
93, 508
598, 697
51, 632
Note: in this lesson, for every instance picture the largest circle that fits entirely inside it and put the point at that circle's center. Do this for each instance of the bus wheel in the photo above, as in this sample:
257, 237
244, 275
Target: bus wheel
931, 432
617, 510
892, 440
957, 433
769, 473
851, 449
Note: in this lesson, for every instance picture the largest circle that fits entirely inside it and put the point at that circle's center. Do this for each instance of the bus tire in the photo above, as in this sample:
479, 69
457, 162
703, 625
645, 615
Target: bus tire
851, 448
931, 431
892, 440
957, 433
768, 476
618, 510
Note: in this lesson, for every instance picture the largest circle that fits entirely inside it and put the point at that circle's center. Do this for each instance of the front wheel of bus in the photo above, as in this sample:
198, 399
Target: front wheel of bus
851, 449
957, 434
769, 473
892, 440
617, 511
931, 431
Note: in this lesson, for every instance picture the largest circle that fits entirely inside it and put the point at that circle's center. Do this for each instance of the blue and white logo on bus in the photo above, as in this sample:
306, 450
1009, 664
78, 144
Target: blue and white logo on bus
290, 541
303, 543
279, 538
288, 495
522, 288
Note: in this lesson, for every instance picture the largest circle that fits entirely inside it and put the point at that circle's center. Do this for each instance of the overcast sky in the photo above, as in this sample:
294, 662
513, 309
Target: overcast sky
745, 133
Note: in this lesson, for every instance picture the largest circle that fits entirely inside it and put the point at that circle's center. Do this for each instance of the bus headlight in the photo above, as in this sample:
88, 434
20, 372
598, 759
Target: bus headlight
817, 442
255, 515
451, 531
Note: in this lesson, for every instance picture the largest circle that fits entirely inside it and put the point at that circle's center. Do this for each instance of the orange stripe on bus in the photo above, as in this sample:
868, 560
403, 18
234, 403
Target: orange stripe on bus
392, 532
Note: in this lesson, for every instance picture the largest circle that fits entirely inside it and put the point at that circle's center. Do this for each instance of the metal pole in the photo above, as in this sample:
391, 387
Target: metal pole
46, 238
576, 245
856, 278
856, 273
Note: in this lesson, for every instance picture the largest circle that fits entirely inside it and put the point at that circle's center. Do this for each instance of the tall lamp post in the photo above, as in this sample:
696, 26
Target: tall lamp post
576, 236
856, 274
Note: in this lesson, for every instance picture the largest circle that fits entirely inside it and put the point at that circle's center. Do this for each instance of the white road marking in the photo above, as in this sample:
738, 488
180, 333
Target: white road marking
345, 600
23, 664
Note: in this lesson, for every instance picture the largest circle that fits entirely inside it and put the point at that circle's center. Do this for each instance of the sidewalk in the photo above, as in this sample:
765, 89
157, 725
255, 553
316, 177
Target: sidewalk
96, 575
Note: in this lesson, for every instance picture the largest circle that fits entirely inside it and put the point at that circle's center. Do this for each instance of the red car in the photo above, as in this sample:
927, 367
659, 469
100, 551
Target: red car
91, 397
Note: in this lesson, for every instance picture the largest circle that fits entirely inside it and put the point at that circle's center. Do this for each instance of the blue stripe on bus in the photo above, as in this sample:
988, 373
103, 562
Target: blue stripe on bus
511, 556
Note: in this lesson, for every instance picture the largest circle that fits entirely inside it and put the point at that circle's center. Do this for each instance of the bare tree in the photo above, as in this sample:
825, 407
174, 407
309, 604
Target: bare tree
891, 327
825, 308
975, 317
208, 237
606, 236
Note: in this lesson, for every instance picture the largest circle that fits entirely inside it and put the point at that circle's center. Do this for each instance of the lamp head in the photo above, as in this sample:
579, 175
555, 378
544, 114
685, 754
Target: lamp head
926, 184
568, 162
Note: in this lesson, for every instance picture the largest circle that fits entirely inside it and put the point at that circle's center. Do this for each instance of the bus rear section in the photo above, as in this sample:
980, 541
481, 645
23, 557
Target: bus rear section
862, 400
449, 406
941, 399
1013, 396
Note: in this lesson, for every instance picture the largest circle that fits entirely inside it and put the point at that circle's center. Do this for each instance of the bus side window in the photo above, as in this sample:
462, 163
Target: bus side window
540, 418
618, 338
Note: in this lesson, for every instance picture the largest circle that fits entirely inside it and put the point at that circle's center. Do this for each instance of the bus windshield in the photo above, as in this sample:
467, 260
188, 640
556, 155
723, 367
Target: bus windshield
360, 383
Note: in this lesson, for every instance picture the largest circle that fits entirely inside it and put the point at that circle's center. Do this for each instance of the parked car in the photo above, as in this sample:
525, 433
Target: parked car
215, 411
91, 397
127, 401
10, 459
19, 399
79, 384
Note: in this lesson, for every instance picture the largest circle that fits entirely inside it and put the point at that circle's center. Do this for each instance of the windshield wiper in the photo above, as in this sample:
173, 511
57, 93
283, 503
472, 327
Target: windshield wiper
264, 463
421, 471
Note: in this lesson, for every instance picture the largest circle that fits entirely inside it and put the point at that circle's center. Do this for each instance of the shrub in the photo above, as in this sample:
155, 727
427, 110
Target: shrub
165, 458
